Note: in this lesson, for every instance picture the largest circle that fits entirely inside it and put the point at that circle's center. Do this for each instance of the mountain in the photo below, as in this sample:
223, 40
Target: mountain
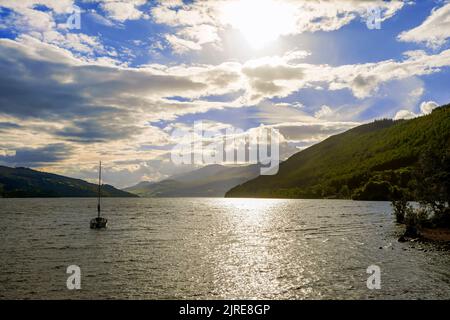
24, 182
209, 181
375, 161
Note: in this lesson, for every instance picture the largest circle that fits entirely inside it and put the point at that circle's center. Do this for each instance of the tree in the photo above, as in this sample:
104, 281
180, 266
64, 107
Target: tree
400, 208
344, 192
433, 183
374, 191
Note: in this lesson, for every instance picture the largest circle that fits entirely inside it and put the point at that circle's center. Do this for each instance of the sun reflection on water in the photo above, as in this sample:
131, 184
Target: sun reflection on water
251, 211
250, 263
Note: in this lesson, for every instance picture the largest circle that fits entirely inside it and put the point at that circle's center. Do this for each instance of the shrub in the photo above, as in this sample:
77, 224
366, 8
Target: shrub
400, 208
441, 218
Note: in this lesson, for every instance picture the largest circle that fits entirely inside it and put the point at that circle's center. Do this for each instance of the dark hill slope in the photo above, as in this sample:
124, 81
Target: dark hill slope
24, 182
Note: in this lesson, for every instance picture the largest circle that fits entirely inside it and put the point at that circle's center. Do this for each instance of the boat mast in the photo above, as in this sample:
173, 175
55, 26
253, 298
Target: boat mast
99, 186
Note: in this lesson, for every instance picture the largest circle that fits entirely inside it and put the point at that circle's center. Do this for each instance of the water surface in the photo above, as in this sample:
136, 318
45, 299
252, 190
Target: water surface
213, 249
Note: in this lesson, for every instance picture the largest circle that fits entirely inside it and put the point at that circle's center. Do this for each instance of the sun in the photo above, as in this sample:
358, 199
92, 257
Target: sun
260, 22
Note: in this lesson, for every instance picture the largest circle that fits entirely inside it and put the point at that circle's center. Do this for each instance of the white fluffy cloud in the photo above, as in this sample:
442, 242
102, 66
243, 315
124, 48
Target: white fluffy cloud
364, 79
324, 112
428, 106
404, 114
276, 77
273, 18
180, 45
434, 31
60, 6
122, 10
28, 20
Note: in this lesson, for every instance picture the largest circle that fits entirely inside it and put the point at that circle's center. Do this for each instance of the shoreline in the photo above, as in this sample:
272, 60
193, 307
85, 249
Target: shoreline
441, 235
437, 234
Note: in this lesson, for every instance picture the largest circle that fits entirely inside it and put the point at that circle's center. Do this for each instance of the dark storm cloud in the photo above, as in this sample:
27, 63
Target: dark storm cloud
30, 89
8, 125
37, 88
91, 131
33, 157
75, 101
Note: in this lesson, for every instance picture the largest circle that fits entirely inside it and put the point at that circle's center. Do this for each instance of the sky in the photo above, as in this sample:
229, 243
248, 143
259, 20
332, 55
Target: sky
112, 80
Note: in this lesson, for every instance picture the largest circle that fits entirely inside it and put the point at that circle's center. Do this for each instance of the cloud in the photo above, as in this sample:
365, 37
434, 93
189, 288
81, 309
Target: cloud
428, 106
44, 81
37, 156
299, 16
27, 19
312, 132
77, 42
364, 79
99, 19
8, 125
192, 38
324, 112
299, 127
40, 80
60, 6
434, 31
275, 77
180, 45
97, 130
126, 173
98, 111
123, 10
263, 78
404, 114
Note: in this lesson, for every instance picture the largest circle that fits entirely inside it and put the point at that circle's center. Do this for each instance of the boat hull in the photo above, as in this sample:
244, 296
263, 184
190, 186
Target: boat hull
98, 223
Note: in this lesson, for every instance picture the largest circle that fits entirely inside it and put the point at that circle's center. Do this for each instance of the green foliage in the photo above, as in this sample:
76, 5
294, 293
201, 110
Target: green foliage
417, 218
400, 207
384, 153
433, 178
344, 193
374, 191
432, 188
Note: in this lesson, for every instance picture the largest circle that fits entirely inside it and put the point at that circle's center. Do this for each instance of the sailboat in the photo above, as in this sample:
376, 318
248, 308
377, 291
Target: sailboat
99, 222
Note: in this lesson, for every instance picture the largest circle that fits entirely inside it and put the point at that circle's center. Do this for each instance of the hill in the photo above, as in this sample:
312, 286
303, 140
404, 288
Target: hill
209, 181
374, 161
24, 182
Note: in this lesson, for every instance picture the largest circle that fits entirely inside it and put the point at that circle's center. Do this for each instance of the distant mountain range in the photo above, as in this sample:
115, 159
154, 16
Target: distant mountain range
24, 182
374, 161
209, 181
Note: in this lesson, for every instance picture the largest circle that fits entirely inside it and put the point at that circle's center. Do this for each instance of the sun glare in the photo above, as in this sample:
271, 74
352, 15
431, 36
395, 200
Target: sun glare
260, 22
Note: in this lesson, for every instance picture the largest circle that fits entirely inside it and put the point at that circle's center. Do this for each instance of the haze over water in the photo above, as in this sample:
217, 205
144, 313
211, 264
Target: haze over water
212, 249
